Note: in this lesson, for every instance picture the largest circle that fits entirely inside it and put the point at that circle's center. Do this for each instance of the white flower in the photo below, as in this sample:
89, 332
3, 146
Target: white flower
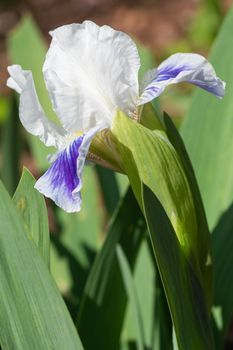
90, 73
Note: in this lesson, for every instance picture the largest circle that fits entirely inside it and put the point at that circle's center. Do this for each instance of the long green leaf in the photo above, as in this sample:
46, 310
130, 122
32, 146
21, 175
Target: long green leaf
150, 157
183, 290
32, 312
207, 133
103, 306
31, 206
75, 240
132, 296
109, 188
208, 130
223, 262
202, 225
162, 325
10, 147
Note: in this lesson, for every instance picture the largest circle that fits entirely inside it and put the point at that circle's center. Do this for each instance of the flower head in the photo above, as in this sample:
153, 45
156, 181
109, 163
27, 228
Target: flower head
90, 73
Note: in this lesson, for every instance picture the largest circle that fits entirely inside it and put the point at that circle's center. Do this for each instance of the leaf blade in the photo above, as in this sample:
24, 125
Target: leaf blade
211, 148
132, 296
29, 299
193, 332
31, 206
104, 282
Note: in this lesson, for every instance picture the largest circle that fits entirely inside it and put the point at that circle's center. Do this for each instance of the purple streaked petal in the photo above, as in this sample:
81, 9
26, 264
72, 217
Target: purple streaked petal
181, 67
62, 182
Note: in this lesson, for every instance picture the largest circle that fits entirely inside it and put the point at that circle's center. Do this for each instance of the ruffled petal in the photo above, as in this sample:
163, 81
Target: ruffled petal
181, 67
62, 182
30, 111
90, 72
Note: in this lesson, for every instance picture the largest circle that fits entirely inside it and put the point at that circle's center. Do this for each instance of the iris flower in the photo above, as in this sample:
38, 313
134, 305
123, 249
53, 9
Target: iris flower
90, 73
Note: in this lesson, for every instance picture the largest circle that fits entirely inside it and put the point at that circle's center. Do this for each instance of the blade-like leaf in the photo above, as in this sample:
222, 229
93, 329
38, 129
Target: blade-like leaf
208, 130
75, 240
31, 206
162, 324
151, 158
109, 187
222, 239
207, 133
183, 290
32, 312
103, 306
202, 225
132, 296
10, 147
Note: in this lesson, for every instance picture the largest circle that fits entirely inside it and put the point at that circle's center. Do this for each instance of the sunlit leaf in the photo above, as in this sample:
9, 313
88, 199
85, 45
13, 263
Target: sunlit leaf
31, 206
151, 158
32, 312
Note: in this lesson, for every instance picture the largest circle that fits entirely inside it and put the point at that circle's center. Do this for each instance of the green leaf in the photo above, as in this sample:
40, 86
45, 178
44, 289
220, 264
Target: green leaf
76, 238
31, 206
150, 157
146, 298
104, 301
32, 312
109, 187
208, 130
202, 225
132, 296
162, 325
10, 147
222, 239
183, 290
207, 133
146, 58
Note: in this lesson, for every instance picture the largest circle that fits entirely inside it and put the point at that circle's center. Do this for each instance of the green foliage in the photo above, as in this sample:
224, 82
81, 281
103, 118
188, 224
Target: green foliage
223, 272
132, 296
10, 147
151, 159
31, 206
207, 132
104, 293
32, 312
187, 304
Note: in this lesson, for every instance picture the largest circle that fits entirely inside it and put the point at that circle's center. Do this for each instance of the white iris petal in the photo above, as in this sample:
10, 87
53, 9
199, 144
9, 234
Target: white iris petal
31, 113
90, 72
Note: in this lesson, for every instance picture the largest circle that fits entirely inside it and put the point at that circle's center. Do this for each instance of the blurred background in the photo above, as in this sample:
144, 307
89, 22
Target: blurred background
160, 27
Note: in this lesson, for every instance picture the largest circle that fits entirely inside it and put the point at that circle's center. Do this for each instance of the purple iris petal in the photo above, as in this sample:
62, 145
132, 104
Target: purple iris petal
62, 182
61, 179
190, 68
